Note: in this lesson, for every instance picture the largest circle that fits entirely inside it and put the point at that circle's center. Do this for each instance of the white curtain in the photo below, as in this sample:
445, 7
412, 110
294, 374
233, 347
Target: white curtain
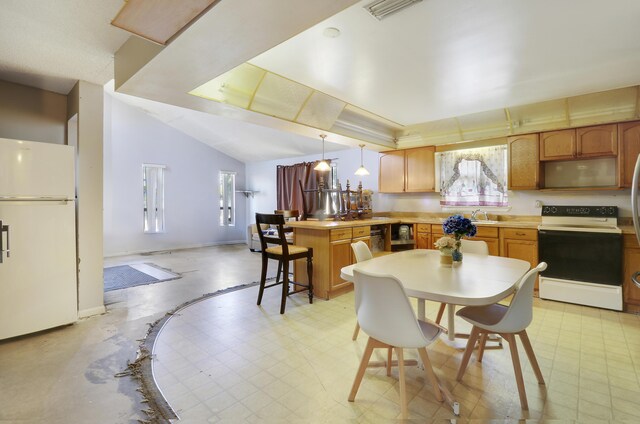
474, 177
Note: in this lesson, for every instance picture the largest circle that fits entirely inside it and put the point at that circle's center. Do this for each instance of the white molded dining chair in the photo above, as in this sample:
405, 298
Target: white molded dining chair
468, 246
385, 314
362, 253
506, 321
474, 246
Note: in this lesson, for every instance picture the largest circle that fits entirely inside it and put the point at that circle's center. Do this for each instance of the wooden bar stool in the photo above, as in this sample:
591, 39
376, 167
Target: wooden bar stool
283, 252
289, 215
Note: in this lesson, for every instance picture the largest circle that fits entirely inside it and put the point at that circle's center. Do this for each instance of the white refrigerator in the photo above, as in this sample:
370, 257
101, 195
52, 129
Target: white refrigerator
38, 278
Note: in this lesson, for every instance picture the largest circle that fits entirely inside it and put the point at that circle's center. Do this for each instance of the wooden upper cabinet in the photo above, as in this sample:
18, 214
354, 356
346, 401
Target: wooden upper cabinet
558, 145
598, 141
601, 140
419, 168
410, 170
391, 176
629, 146
524, 167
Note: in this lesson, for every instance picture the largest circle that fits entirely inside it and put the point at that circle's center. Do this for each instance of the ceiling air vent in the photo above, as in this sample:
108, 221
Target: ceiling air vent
382, 8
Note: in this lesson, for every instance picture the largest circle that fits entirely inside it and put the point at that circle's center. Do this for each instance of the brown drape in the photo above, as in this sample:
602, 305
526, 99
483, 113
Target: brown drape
288, 189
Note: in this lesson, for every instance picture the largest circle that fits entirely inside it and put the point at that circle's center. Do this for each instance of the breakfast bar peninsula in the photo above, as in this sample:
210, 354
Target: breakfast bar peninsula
331, 243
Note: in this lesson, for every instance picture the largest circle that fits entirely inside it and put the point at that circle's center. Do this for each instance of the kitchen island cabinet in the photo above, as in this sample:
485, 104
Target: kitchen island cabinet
331, 243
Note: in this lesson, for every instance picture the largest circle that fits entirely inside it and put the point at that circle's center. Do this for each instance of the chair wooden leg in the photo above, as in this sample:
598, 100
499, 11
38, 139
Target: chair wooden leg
363, 367
481, 344
430, 374
285, 286
516, 368
440, 312
279, 271
356, 331
471, 343
531, 355
389, 360
310, 274
263, 277
403, 388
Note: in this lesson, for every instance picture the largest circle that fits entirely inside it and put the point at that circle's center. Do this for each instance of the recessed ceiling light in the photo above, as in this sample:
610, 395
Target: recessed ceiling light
331, 32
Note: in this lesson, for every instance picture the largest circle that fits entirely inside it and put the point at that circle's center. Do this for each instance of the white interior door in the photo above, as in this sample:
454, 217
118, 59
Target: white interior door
38, 280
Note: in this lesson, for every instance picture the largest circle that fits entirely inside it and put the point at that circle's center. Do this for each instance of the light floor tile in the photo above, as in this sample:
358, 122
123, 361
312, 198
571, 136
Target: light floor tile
299, 367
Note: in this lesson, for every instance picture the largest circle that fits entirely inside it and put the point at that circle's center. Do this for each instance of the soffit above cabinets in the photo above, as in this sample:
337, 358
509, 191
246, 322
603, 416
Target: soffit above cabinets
589, 109
253, 88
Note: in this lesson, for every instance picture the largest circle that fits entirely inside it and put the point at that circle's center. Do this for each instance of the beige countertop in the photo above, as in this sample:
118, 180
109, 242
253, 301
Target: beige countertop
327, 224
497, 224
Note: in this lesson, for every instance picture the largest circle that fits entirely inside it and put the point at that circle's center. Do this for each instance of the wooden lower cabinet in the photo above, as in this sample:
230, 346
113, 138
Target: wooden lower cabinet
520, 243
423, 241
630, 265
423, 236
340, 256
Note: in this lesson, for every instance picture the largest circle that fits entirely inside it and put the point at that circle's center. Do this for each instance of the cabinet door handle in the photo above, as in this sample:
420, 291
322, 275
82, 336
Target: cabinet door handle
634, 278
521, 234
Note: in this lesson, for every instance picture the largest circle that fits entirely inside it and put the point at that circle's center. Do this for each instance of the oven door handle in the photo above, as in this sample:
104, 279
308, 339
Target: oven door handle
634, 278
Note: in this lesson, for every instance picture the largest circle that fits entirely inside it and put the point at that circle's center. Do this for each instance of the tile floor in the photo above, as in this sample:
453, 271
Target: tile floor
226, 360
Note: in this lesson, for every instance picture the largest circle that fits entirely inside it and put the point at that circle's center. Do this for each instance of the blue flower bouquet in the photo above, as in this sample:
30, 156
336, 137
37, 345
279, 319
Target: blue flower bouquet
458, 226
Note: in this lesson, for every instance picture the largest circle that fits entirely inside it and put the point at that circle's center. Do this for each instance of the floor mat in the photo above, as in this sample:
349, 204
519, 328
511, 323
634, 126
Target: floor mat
125, 276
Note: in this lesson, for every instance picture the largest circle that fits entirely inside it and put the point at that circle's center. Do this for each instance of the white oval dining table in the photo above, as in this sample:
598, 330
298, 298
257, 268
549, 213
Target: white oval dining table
478, 280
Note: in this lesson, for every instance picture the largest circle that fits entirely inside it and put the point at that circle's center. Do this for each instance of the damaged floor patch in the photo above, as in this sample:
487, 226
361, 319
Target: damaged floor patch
159, 411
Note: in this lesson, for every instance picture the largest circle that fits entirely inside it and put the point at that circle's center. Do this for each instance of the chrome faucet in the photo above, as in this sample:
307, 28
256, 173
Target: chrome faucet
474, 215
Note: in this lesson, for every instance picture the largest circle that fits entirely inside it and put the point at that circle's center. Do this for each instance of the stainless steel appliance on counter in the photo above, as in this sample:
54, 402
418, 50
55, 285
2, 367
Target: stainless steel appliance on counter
582, 246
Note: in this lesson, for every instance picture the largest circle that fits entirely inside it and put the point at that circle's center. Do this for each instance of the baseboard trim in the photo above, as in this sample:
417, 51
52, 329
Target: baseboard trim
169, 249
98, 310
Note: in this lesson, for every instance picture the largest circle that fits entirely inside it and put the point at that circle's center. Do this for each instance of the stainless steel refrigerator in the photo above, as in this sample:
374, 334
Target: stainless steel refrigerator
38, 278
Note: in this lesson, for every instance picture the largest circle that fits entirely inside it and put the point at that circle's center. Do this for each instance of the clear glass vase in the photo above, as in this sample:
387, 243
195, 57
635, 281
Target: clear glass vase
456, 254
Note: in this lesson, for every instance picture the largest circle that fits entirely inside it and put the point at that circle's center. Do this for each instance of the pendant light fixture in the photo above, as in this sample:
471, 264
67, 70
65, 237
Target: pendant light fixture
362, 170
322, 165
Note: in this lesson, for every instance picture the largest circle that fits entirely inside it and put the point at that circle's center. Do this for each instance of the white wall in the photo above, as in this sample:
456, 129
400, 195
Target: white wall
262, 176
191, 185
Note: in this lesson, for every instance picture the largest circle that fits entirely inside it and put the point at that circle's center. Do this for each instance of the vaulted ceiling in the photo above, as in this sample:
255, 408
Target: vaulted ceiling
419, 75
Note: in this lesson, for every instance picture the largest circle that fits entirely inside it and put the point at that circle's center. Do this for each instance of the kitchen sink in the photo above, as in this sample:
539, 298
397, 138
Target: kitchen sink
484, 222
